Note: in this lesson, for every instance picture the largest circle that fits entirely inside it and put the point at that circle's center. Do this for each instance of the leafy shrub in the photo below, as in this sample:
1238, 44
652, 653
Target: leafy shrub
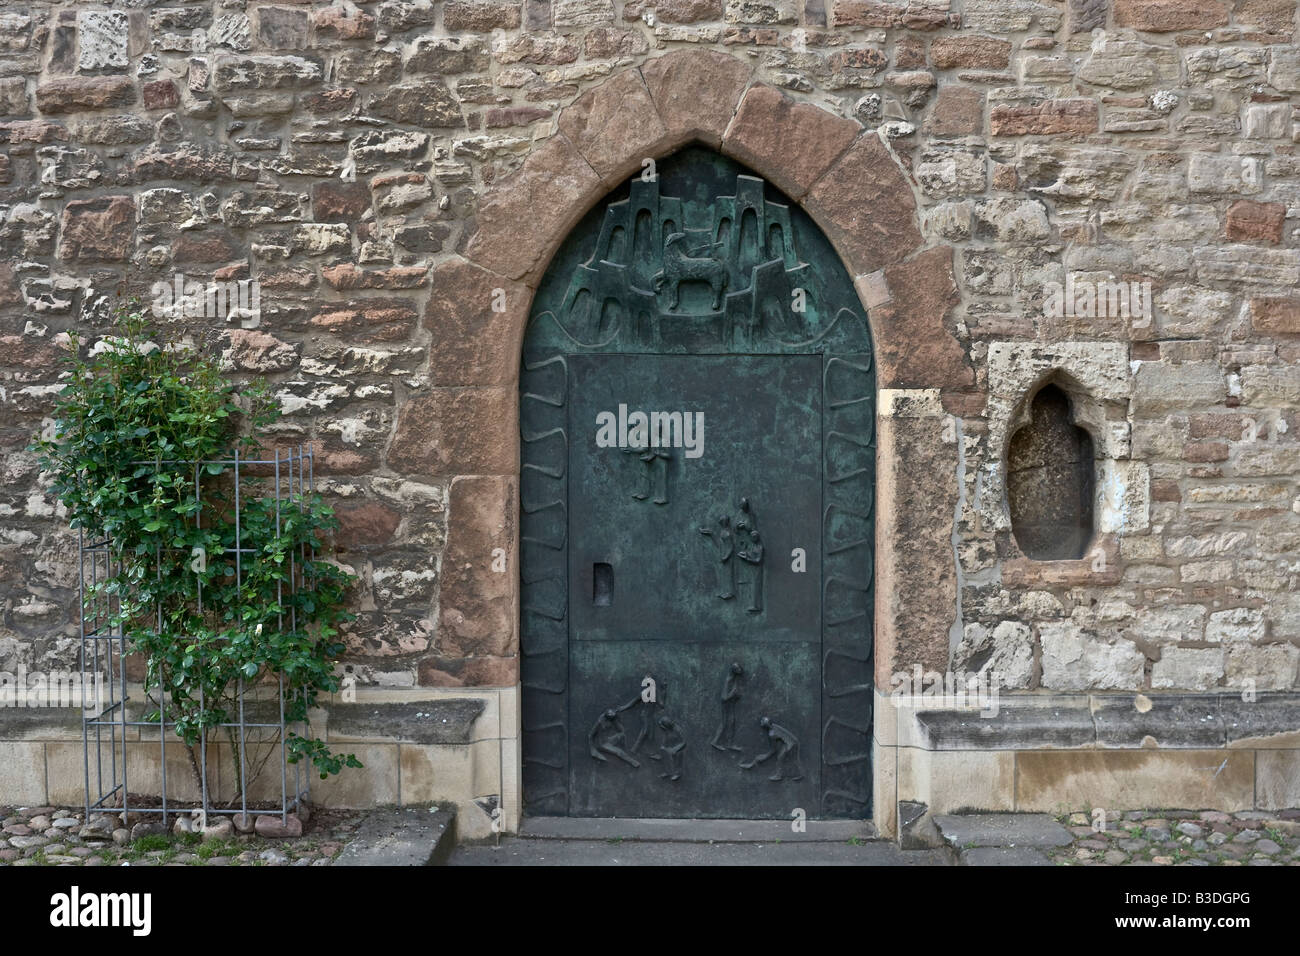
139, 455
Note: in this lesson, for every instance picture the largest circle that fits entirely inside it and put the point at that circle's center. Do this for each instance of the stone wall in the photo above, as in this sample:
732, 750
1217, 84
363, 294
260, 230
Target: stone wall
351, 156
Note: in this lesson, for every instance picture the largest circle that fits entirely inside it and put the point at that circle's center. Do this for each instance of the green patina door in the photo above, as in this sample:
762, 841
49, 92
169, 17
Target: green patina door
697, 412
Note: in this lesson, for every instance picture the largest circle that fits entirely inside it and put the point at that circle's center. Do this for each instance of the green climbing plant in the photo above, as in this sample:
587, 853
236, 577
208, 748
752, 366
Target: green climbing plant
139, 454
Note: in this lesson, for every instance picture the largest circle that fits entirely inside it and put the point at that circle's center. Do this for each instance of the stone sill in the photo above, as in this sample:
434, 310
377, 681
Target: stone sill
438, 720
1107, 721
1022, 572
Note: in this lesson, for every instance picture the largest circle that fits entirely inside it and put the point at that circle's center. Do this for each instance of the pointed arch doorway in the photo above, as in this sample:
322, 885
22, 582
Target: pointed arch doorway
697, 407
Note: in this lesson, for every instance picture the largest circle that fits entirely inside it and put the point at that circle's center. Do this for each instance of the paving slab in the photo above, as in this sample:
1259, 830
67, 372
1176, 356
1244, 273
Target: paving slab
965, 830
1004, 856
517, 851
410, 836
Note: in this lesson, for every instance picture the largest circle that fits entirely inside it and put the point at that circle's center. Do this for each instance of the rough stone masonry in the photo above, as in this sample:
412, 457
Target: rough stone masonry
350, 156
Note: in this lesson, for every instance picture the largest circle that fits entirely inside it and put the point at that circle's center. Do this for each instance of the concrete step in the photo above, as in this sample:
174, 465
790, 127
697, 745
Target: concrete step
522, 851
694, 831
410, 836
585, 841
1001, 839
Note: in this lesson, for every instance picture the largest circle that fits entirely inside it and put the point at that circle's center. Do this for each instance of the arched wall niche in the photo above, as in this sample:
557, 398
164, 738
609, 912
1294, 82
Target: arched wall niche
1053, 469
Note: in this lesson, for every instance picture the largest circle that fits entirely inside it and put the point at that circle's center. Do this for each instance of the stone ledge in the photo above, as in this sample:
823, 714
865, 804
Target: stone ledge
1016, 727
39, 723
446, 721
1112, 722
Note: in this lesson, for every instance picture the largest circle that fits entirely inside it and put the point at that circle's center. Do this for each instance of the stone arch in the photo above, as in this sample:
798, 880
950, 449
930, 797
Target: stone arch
846, 178
854, 189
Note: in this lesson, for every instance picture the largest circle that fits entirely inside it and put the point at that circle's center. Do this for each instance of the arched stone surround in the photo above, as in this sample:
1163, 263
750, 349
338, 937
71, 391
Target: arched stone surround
854, 188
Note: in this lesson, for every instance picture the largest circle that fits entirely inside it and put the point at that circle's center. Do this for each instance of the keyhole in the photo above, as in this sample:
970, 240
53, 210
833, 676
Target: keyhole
602, 584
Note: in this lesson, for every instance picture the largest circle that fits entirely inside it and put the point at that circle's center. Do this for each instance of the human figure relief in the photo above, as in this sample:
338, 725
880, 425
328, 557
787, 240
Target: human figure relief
654, 473
783, 745
672, 743
725, 738
652, 707
607, 737
749, 549
723, 549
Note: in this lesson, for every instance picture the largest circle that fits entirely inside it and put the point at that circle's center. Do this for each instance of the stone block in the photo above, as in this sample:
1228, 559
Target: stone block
74, 94
522, 219
1210, 173
957, 781
1052, 117
1079, 780
970, 52
1073, 659
234, 74
695, 93
449, 431
478, 591
916, 494
102, 39
97, 230
22, 782
789, 143
429, 104
481, 16
1247, 221
1277, 779
865, 205
376, 785
915, 345
1159, 388
957, 111
477, 321
1276, 315
615, 126
1002, 829
1168, 16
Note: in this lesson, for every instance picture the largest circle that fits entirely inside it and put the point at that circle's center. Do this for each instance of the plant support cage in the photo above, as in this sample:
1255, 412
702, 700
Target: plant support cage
236, 758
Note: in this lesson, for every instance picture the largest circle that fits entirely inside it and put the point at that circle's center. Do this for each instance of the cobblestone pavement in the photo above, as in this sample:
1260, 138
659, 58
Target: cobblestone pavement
55, 836
1183, 838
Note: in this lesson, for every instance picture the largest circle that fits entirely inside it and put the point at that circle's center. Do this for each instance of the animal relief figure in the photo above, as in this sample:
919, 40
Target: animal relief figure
680, 266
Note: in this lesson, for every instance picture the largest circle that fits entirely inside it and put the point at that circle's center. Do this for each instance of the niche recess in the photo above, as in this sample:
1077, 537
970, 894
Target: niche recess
1051, 478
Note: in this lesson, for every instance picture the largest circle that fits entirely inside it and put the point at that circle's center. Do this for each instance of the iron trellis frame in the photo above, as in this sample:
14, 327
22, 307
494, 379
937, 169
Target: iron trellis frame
113, 726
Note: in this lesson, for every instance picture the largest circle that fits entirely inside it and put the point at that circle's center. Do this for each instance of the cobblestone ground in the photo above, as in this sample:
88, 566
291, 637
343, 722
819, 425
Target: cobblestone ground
54, 836
1183, 838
